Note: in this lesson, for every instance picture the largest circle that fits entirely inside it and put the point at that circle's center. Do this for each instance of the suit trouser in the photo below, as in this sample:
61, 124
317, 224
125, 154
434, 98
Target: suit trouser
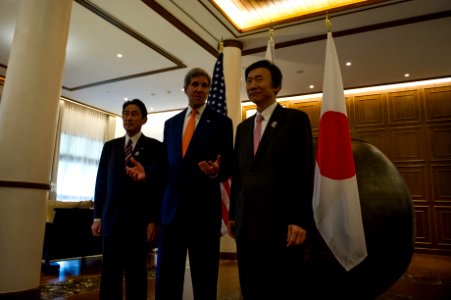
270, 270
202, 244
124, 255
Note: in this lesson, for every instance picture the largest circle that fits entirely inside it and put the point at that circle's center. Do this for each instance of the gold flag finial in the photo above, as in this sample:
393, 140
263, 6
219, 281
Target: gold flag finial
271, 32
221, 45
328, 23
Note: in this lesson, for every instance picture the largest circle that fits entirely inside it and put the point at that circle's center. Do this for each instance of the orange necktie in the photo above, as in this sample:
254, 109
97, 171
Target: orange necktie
189, 130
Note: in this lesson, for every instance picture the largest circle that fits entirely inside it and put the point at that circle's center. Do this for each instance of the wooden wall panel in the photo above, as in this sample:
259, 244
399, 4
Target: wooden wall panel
404, 107
407, 144
369, 110
439, 141
374, 136
416, 180
313, 110
438, 103
441, 183
443, 218
423, 225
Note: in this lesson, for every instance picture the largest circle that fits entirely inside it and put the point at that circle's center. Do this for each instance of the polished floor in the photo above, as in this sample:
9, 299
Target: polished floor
428, 277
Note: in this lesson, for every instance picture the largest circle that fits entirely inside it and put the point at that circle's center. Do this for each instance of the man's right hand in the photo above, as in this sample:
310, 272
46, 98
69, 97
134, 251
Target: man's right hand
96, 228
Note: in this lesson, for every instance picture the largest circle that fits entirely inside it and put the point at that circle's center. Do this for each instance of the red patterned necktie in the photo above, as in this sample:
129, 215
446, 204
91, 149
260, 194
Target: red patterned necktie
189, 131
257, 132
128, 150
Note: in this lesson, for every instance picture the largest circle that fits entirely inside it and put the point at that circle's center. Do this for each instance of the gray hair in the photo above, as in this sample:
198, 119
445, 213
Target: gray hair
194, 73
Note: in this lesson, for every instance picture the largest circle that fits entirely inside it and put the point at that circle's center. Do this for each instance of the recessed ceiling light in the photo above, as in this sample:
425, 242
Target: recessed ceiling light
348, 64
407, 75
119, 55
125, 99
151, 109
311, 86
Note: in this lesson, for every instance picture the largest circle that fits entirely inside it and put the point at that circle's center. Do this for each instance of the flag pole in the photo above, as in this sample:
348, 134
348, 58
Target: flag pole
221, 45
270, 48
336, 200
217, 101
328, 23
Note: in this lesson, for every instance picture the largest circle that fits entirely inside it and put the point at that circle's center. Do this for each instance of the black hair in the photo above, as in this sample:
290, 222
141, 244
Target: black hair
276, 74
137, 102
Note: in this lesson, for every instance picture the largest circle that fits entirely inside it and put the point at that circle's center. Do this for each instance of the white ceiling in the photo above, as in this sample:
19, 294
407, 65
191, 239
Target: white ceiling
383, 41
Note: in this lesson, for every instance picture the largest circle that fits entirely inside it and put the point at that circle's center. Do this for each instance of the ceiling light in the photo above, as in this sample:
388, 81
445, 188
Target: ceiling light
125, 99
245, 15
348, 64
119, 55
407, 75
311, 86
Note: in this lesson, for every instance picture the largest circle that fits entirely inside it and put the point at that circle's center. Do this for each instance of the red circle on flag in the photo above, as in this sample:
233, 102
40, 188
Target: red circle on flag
334, 154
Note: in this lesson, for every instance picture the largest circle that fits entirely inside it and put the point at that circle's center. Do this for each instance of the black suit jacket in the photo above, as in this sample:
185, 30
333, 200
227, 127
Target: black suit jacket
122, 203
273, 188
190, 193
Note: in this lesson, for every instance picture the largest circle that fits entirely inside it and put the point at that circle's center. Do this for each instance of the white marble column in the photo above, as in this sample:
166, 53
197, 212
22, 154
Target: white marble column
28, 119
232, 76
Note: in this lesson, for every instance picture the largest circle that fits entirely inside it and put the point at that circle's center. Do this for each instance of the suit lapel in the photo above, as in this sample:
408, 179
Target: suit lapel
178, 131
271, 129
247, 134
139, 147
202, 126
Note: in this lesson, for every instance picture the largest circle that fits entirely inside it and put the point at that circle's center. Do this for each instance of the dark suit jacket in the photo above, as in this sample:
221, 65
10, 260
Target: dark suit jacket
274, 188
190, 193
121, 202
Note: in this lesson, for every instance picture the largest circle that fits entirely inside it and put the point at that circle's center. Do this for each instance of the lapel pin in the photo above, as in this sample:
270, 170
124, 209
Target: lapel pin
274, 124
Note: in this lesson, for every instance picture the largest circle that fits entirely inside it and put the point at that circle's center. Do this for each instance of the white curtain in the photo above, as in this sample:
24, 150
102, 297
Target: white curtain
81, 134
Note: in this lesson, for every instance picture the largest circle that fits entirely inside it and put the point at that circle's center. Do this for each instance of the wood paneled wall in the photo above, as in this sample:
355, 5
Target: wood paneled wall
412, 127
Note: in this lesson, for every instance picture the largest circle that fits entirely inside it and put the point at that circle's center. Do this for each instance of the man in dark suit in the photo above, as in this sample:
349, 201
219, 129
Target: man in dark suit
191, 206
272, 185
126, 207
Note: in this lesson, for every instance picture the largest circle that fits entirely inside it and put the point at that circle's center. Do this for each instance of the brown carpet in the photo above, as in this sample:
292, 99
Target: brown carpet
64, 289
71, 287
427, 278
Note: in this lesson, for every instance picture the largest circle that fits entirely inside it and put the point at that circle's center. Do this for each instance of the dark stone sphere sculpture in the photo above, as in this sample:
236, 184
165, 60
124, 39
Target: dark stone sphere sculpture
388, 219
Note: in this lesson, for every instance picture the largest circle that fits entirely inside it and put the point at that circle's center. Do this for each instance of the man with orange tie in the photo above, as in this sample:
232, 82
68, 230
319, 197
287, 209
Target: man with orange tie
199, 144
271, 196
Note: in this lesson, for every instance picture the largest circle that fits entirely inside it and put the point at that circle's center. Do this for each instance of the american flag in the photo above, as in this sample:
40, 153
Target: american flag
217, 96
217, 100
